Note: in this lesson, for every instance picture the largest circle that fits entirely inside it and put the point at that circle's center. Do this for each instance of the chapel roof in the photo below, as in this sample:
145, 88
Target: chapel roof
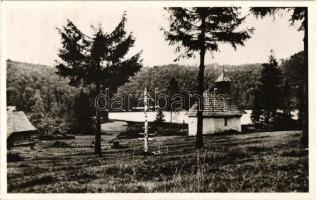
216, 106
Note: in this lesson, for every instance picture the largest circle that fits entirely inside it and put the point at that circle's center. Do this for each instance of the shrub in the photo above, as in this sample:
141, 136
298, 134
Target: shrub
159, 117
14, 157
285, 122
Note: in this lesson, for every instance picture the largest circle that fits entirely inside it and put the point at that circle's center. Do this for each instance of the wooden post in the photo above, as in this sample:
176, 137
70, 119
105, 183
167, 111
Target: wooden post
214, 99
146, 121
224, 104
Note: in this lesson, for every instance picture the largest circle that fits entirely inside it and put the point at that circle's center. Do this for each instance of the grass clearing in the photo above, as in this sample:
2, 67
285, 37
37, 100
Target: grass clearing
254, 162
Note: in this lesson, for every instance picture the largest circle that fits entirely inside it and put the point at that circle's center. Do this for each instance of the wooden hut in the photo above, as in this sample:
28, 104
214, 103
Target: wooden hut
19, 128
220, 112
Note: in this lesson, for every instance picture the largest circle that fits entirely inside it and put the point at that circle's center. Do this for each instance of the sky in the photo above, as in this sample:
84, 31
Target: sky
32, 36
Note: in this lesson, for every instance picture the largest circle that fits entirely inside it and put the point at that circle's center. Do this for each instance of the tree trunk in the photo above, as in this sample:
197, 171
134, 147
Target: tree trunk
304, 107
106, 116
98, 127
200, 108
199, 135
171, 115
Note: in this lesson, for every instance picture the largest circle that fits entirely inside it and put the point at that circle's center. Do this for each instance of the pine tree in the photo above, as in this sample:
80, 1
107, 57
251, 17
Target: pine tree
256, 108
200, 30
54, 110
268, 98
98, 60
271, 79
286, 98
27, 95
12, 96
37, 110
83, 113
298, 14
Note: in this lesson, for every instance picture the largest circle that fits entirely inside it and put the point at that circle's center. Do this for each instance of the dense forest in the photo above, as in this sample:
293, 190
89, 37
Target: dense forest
243, 77
52, 104
48, 100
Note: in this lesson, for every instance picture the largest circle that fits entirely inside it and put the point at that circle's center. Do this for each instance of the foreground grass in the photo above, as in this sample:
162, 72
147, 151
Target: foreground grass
257, 162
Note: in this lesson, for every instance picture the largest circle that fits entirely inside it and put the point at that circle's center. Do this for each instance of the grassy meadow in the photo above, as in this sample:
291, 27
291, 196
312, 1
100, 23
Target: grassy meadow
253, 162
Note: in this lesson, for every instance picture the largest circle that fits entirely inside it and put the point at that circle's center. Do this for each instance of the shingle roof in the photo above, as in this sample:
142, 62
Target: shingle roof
18, 122
222, 78
217, 106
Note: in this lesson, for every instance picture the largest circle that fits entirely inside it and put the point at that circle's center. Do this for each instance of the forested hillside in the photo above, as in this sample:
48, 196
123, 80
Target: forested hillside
47, 99
52, 104
244, 78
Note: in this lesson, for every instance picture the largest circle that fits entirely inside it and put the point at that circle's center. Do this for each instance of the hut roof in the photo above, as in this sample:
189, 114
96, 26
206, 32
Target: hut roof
17, 122
222, 78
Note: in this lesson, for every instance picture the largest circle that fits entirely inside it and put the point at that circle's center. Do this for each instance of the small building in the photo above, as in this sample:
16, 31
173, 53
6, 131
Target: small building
220, 113
19, 128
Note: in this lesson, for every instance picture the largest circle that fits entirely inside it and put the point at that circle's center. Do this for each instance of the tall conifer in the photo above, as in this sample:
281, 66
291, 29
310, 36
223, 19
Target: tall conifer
99, 60
199, 30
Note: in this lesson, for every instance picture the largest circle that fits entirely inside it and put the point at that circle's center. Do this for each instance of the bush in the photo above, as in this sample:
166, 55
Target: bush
164, 128
159, 117
285, 122
14, 157
248, 128
134, 128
